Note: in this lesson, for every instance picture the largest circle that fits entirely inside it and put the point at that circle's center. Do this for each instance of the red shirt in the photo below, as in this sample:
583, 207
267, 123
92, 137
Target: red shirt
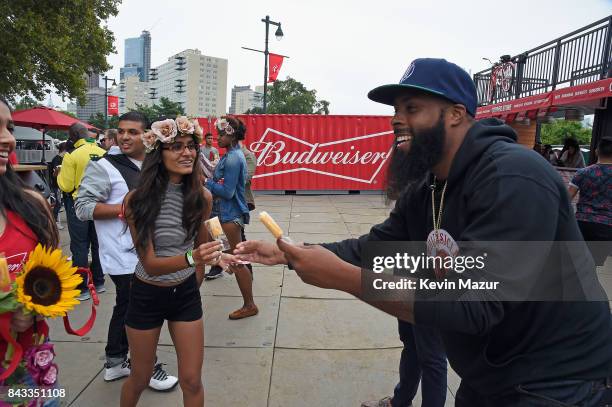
16, 242
13, 158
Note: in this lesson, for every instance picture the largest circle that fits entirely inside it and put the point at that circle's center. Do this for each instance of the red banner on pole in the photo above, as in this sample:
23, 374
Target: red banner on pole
274, 65
113, 105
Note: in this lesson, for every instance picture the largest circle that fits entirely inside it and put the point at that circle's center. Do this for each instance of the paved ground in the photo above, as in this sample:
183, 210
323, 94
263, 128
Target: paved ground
307, 347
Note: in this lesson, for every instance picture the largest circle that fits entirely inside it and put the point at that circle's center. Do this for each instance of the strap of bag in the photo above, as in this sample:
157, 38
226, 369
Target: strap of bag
95, 301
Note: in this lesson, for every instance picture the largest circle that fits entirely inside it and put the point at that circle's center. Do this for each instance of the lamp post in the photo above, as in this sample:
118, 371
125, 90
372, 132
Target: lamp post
106, 79
279, 36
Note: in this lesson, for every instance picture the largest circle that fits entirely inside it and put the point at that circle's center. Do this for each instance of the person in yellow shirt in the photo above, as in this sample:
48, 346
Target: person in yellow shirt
82, 233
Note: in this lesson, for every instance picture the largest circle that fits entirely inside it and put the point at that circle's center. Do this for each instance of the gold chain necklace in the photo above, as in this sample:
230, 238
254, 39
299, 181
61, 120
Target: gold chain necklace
437, 222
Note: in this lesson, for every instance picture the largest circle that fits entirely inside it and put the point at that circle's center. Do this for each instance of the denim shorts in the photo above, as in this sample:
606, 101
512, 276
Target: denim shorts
150, 304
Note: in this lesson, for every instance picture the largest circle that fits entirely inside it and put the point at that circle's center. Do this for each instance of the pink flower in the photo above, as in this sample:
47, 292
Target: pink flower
184, 125
50, 377
164, 130
149, 139
38, 360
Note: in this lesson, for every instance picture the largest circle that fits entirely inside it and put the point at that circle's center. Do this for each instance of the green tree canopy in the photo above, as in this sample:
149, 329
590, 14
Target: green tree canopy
52, 44
559, 130
97, 120
292, 97
26, 102
166, 108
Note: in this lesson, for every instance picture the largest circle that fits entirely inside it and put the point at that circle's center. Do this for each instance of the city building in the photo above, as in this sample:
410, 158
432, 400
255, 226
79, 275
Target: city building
245, 98
137, 57
131, 91
95, 98
198, 82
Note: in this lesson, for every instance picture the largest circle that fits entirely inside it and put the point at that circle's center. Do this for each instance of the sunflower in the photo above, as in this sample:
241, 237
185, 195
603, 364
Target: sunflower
47, 284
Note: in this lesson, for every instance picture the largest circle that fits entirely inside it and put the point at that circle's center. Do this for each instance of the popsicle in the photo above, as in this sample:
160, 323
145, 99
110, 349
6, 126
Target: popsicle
270, 223
214, 227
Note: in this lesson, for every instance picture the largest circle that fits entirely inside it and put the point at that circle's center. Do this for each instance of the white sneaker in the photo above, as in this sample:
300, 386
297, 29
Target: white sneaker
117, 372
161, 381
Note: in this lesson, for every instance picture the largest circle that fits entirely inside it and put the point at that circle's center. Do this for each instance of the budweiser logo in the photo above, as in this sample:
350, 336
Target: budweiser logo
283, 153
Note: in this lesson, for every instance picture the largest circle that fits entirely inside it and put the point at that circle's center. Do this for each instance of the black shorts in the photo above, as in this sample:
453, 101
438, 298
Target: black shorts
150, 305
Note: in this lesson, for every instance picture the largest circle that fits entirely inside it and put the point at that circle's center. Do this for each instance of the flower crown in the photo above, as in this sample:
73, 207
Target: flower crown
223, 125
165, 131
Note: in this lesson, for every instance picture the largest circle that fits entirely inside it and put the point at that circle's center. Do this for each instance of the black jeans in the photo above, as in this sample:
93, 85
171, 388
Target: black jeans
82, 237
599, 240
117, 344
423, 360
561, 393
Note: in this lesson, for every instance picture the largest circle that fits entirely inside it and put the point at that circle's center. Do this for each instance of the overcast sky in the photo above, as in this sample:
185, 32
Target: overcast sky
344, 48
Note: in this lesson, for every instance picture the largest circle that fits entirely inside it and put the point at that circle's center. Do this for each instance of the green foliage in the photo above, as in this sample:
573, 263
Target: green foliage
557, 132
97, 120
26, 102
52, 44
292, 97
166, 108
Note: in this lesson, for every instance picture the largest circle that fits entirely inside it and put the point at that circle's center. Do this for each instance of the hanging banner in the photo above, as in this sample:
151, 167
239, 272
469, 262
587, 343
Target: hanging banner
113, 105
274, 63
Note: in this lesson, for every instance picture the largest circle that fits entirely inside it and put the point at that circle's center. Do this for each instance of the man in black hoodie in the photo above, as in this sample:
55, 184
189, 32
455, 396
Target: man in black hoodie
467, 181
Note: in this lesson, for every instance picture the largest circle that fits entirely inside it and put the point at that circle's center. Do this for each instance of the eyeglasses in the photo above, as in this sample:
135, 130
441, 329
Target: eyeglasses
178, 148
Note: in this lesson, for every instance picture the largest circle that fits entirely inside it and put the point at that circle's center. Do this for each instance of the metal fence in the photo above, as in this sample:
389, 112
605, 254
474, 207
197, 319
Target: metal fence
579, 57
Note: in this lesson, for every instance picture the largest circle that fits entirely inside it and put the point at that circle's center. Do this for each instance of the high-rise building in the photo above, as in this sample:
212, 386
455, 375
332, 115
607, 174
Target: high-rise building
131, 91
137, 57
244, 98
95, 98
198, 82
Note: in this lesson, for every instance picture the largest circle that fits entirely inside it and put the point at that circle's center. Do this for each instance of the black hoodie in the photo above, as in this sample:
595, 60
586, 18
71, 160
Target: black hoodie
500, 191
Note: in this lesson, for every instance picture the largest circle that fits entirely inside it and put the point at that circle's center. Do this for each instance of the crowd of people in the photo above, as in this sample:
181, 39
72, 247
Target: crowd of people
137, 205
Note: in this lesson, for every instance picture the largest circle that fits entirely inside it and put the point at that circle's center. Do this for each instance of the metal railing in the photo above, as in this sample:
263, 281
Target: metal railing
579, 57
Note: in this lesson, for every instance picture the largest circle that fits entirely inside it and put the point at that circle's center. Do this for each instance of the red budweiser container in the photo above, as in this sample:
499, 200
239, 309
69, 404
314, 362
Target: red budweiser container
319, 153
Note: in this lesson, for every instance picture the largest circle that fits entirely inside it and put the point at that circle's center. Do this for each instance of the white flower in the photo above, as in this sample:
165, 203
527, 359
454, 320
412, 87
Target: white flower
149, 140
223, 124
165, 130
184, 125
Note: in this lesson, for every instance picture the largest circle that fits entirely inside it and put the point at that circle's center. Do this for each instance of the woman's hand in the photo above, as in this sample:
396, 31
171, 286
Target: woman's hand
258, 251
21, 321
207, 253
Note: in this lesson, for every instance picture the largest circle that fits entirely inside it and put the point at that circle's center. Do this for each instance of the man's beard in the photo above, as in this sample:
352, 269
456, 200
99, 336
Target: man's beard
406, 168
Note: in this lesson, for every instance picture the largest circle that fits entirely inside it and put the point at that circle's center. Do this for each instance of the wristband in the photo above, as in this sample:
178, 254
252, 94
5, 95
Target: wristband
189, 258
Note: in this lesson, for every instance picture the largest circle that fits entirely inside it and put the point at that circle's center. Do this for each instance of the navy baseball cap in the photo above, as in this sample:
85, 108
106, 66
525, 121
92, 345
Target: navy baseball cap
435, 76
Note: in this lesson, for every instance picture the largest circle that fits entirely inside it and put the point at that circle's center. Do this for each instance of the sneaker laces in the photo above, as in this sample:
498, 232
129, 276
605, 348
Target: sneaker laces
159, 373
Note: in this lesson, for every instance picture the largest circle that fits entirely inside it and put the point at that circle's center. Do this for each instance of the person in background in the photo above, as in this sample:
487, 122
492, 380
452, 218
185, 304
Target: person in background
549, 154
251, 161
82, 234
109, 142
227, 187
594, 208
208, 151
571, 156
537, 147
54, 168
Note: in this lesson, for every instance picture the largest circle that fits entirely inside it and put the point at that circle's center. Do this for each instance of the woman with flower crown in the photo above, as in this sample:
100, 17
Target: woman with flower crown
25, 221
228, 187
166, 215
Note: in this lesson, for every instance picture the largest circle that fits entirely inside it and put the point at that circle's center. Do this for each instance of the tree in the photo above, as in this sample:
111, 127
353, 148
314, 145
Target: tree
559, 130
26, 102
97, 120
165, 108
53, 44
292, 97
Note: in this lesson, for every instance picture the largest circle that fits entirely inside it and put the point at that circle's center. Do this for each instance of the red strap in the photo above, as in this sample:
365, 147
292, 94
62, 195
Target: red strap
5, 334
95, 301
